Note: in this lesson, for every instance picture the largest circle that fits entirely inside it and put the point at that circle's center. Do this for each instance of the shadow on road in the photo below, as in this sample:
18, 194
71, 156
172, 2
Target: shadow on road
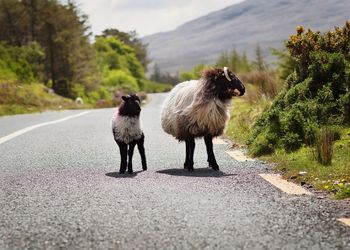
126, 175
198, 172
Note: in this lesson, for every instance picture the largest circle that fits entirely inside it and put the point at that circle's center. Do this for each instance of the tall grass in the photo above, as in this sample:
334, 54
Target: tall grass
266, 83
324, 146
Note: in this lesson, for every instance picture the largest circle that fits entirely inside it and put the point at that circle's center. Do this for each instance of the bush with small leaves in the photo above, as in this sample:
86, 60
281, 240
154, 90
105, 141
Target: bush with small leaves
316, 95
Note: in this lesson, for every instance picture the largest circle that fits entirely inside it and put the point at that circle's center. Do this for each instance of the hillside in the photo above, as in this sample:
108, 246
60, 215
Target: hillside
242, 26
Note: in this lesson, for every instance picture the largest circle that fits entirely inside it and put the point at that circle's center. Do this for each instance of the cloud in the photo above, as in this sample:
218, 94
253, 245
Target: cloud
146, 16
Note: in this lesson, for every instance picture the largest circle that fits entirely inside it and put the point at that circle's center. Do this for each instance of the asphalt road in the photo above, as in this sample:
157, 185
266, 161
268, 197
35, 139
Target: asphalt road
60, 190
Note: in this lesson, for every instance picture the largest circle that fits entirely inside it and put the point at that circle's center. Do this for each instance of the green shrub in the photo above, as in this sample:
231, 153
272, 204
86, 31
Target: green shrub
21, 63
93, 96
194, 74
78, 90
121, 80
104, 93
344, 102
154, 87
262, 145
317, 93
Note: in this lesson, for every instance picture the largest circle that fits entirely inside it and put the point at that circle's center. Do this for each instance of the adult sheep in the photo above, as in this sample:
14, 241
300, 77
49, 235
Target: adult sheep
199, 108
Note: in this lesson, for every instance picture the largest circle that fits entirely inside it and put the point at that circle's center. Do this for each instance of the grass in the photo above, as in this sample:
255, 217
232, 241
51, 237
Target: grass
334, 178
30, 98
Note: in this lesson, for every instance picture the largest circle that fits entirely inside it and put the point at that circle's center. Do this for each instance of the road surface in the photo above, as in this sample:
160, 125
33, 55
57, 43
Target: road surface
60, 190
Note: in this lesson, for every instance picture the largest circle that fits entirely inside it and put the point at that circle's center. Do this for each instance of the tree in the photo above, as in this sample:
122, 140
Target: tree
131, 39
60, 31
223, 60
234, 61
245, 63
118, 64
259, 62
156, 75
286, 63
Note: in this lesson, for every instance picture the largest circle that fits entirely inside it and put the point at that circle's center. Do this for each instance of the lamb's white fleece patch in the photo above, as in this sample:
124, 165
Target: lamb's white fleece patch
126, 129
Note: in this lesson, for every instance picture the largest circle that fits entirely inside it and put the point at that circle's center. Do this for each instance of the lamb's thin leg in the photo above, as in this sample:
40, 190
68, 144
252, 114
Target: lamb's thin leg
131, 153
140, 146
211, 157
123, 149
190, 146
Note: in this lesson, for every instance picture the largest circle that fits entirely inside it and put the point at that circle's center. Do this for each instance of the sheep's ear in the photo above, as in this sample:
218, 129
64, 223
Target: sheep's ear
217, 76
124, 98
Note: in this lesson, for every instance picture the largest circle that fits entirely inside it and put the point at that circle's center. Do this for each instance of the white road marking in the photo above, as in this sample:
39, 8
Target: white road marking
346, 221
285, 186
219, 141
26, 130
238, 155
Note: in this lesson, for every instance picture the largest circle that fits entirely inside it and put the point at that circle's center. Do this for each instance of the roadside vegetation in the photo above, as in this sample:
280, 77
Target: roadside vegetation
297, 115
305, 127
47, 59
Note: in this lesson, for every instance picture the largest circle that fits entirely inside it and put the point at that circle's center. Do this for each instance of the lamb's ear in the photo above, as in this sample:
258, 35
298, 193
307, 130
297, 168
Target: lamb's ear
135, 97
125, 98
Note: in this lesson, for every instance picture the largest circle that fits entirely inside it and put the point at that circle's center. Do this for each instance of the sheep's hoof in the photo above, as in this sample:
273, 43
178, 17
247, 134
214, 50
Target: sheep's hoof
122, 172
189, 167
130, 171
214, 167
144, 166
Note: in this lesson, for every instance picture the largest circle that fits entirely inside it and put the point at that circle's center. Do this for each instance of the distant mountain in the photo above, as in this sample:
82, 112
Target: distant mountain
242, 26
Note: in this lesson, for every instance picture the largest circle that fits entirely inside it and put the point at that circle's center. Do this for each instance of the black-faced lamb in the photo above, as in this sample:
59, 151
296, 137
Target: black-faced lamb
127, 132
199, 108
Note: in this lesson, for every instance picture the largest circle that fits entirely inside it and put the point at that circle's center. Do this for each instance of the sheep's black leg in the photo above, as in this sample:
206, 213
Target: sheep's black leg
211, 157
123, 149
140, 146
131, 153
190, 146
187, 155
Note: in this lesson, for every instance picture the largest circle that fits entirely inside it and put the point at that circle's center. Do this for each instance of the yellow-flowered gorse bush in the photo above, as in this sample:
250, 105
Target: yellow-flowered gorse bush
316, 95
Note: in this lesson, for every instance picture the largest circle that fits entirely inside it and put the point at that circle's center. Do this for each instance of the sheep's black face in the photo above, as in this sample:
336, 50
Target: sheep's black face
131, 106
227, 85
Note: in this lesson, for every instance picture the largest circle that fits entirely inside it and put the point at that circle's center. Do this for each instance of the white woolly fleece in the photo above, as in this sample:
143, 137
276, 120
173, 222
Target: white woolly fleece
126, 129
183, 105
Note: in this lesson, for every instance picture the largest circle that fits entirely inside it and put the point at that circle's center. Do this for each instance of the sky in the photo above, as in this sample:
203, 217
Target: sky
146, 16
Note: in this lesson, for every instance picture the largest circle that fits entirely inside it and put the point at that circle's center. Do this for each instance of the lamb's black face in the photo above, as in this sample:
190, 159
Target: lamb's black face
131, 106
228, 85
